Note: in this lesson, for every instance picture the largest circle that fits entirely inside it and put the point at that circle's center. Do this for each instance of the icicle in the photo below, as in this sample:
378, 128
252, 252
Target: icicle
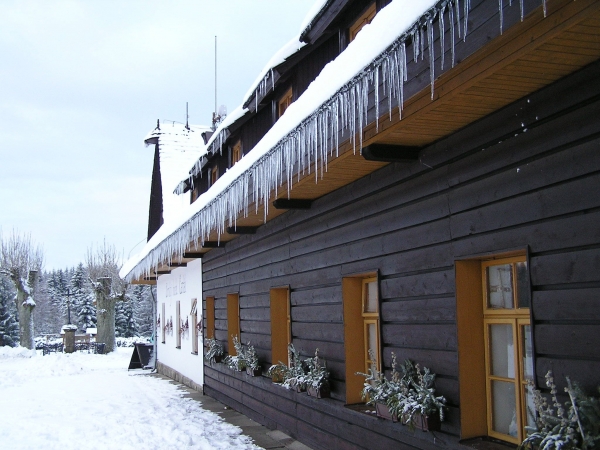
376, 87
431, 54
457, 10
442, 34
467, 5
272, 80
422, 40
452, 39
522, 10
501, 11
545, 7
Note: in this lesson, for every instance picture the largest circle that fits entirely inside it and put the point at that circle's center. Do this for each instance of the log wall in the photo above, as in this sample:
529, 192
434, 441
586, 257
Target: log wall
478, 192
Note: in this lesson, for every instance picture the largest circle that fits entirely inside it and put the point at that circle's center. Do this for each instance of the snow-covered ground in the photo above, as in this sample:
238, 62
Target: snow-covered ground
87, 401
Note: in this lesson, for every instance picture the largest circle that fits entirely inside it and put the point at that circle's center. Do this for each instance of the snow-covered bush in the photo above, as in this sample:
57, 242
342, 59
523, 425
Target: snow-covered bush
576, 425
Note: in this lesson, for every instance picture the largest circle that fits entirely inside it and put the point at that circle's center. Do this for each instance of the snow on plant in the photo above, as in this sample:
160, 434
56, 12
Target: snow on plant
291, 376
215, 349
574, 425
377, 388
417, 394
238, 361
317, 375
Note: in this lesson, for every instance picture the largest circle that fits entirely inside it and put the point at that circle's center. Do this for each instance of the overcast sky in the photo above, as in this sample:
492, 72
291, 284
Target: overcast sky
83, 82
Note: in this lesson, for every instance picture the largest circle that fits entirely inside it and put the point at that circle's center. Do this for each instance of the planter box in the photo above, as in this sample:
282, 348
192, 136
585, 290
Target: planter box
383, 411
254, 372
322, 392
277, 378
426, 423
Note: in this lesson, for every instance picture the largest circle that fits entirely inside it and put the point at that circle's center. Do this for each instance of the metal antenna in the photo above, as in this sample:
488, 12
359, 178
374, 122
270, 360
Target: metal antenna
215, 74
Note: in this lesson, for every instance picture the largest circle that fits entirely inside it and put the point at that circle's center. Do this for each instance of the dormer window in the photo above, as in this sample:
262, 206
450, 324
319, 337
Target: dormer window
363, 20
214, 175
284, 102
236, 153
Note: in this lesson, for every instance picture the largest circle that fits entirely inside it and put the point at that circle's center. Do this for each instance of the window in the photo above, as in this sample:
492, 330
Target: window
361, 330
370, 316
236, 153
363, 20
194, 315
210, 317
233, 320
281, 325
494, 346
508, 349
214, 175
178, 324
284, 102
164, 324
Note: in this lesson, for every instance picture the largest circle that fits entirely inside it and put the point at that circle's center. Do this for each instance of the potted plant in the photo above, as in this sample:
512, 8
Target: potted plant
287, 376
238, 361
416, 403
295, 377
317, 377
278, 372
214, 352
378, 390
252, 365
574, 425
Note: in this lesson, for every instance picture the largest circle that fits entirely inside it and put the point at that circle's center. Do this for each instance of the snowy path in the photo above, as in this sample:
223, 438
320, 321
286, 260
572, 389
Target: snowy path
91, 401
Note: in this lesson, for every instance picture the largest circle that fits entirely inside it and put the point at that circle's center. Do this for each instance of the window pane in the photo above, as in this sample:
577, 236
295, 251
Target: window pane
523, 294
530, 406
372, 338
504, 411
502, 350
371, 297
527, 352
500, 286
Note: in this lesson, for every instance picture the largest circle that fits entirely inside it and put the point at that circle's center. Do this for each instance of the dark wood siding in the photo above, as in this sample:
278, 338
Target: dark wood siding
256, 128
155, 212
479, 191
312, 65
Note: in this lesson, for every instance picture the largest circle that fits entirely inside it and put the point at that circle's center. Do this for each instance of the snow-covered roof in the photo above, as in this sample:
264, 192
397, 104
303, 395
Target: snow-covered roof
313, 13
265, 80
179, 147
337, 98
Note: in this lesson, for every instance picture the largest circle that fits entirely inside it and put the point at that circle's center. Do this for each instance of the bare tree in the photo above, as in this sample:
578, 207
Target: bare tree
103, 266
21, 260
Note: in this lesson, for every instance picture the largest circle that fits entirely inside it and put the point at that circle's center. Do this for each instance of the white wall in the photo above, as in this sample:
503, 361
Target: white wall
183, 284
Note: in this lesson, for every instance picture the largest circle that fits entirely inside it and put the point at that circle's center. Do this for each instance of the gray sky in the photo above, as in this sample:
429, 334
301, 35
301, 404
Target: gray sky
83, 82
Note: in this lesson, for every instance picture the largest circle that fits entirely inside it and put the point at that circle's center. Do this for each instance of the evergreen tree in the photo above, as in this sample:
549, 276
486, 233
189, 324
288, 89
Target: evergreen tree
46, 314
58, 283
82, 299
9, 326
141, 296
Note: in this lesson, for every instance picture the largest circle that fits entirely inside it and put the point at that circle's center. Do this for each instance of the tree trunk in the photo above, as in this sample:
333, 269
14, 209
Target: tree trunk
105, 313
25, 304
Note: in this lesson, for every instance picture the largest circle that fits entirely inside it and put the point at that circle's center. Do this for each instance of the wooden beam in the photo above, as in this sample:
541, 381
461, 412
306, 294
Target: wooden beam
174, 264
163, 272
241, 230
292, 203
150, 278
390, 153
213, 244
193, 255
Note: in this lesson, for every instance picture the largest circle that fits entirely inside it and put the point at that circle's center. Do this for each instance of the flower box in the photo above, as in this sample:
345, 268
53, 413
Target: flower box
320, 392
383, 411
254, 372
425, 423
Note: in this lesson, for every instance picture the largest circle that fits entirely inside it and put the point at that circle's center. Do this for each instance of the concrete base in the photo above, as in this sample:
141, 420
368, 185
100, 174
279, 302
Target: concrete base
169, 372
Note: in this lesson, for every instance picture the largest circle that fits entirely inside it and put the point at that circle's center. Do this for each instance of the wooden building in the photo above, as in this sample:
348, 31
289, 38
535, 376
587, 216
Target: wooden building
463, 193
